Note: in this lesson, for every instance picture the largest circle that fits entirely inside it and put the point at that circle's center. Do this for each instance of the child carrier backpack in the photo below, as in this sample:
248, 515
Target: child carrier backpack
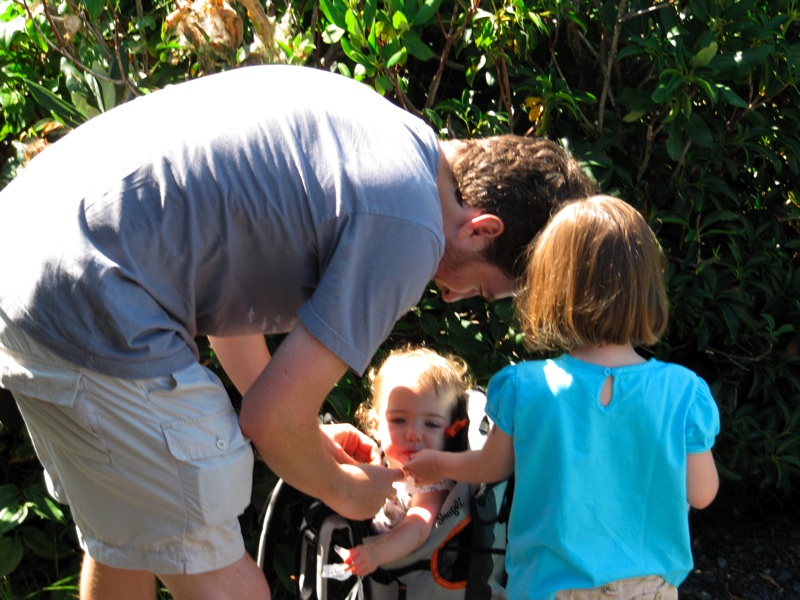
463, 558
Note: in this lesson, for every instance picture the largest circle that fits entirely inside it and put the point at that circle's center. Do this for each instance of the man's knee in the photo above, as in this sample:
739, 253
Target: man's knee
101, 582
241, 580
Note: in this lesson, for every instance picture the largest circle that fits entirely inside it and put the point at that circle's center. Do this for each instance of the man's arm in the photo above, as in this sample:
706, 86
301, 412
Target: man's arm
243, 358
279, 415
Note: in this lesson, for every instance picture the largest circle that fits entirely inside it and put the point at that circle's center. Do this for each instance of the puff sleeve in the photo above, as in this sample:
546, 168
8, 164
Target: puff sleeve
501, 399
702, 420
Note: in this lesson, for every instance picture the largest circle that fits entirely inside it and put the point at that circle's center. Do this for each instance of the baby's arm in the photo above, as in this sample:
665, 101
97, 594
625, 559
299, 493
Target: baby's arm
702, 480
494, 462
407, 536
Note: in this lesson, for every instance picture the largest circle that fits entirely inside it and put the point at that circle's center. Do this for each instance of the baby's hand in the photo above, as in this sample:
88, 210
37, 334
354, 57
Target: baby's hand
360, 560
424, 467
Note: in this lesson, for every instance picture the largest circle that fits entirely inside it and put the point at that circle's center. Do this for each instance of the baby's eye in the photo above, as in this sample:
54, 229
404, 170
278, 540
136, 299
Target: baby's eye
433, 425
397, 420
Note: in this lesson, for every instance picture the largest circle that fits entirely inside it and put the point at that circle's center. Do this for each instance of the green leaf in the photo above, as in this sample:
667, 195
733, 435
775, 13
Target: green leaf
704, 56
332, 34
398, 57
383, 84
12, 516
107, 99
728, 96
426, 12
94, 8
35, 539
344, 69
698, 131
737, 64
634, 116
354, 28
416, 47
43, 505
674, 141
718, 216
706, 86
10, 29
61, 110
11, 552
370, 10
9, 494
399, 22
334, 12
632, 50
410, 9
737, 8
354, 53
636, 100
699, 8
665, 90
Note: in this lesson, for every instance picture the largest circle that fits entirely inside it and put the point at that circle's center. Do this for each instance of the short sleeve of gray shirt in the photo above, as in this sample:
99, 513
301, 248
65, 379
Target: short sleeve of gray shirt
229, 205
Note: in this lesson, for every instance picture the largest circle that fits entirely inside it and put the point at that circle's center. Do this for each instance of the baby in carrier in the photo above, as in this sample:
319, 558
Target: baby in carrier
418, 402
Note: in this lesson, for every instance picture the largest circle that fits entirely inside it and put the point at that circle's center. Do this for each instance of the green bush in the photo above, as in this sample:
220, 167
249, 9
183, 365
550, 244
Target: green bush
35, 531
687, 109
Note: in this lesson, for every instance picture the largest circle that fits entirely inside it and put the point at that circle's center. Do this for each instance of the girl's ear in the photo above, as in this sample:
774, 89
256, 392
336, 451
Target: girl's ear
483, 227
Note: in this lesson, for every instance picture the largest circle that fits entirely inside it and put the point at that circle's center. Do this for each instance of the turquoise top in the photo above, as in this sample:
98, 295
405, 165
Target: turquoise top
600, 490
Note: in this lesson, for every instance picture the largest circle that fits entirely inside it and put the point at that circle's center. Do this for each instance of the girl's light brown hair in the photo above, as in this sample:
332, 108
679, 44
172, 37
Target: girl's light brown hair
446, 374
595, 276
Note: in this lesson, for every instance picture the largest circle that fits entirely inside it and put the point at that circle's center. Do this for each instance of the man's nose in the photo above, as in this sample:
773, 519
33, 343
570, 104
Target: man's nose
451, 296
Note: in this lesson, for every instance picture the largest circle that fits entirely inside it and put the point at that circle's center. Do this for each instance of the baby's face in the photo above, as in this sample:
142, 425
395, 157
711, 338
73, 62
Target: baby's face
414, 418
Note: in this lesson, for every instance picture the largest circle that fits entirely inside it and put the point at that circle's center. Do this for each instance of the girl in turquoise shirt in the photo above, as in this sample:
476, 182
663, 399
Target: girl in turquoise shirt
607, 447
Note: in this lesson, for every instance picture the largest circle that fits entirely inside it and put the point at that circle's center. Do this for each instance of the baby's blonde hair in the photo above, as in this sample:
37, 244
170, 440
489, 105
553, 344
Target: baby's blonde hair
446, 374
595, 276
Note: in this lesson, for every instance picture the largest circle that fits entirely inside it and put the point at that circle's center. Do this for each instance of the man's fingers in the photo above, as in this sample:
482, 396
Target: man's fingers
335, 449
342, 457
350, 446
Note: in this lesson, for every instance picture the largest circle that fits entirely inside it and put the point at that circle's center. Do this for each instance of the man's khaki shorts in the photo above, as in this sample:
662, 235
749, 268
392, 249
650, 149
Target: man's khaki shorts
155, 471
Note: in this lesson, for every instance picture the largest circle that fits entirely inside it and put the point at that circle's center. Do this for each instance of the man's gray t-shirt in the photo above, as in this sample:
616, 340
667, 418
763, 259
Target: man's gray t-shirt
229, 205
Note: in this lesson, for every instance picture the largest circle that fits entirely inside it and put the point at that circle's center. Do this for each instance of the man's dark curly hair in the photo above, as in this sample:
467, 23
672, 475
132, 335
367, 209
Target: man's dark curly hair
519, 179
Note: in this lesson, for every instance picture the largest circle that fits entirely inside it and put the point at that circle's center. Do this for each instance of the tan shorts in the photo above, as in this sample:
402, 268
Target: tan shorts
155, 471
651, 587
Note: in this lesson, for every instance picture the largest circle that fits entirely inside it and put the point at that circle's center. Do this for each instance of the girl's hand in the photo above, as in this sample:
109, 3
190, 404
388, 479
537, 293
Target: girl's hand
424, 466
359, 560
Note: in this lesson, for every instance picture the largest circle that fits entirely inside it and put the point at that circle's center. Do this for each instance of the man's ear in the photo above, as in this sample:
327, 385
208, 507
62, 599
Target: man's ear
484, 226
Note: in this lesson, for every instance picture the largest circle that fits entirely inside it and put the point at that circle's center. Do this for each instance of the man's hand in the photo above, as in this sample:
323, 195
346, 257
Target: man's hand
424, 466
279, 415
348, 445
366, 489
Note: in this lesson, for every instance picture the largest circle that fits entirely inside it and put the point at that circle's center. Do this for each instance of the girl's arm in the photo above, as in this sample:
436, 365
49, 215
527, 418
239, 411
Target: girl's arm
494, 462
401, 541
702, 480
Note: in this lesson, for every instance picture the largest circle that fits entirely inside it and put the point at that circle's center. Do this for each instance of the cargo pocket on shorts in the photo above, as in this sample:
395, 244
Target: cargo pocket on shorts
215, 463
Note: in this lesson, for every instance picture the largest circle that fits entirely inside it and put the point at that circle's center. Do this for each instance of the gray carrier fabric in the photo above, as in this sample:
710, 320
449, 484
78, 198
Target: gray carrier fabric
463, 559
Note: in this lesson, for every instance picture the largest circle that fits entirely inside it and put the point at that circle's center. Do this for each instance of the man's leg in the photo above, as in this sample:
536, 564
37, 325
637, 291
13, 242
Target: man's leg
100, 581
241, 580
156, 470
